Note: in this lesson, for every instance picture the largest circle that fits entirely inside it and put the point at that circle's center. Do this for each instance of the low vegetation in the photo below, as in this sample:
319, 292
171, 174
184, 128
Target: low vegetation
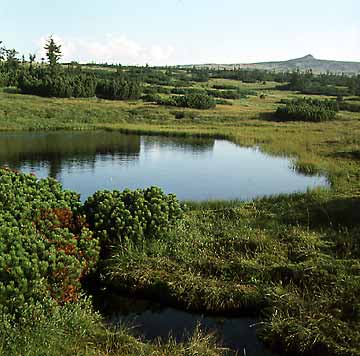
278, 258
312, 110
75, 329
45, 246
192, 101
323, 84
118, 89
131, 216
46, 249
294, 268
291, 260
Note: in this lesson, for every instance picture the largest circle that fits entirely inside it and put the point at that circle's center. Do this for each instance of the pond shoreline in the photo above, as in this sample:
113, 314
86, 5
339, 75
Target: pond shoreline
153, 321
299, 247
198, 169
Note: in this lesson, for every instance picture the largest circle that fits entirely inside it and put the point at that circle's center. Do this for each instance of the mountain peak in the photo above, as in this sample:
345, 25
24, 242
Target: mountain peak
308, 57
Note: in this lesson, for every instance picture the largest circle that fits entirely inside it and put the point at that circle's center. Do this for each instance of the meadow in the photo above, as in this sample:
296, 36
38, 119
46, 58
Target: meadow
292, 260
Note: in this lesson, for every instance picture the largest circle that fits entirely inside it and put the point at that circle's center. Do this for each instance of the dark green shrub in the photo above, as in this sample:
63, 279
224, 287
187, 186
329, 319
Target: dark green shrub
193, 101
149, 90
131, 215
156, 77
156, 89
353, 107
151, 98
118, 89
225, 87
8, 79
323, 84
304, 113
325, 104
45, 245
312, 110
61, 85
197, 101
162, 90
200, 75
339, 98
179, 115
187, 91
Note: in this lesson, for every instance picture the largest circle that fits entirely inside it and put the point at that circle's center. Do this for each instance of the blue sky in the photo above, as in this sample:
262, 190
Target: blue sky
184, 31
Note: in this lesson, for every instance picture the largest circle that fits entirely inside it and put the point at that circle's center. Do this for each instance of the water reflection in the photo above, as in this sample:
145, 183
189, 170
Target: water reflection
192, 168
153, 321
58, 150
193, 145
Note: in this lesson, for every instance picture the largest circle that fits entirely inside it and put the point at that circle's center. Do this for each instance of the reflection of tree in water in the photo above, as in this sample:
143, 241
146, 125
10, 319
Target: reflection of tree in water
60, 149
57, 150
184, 144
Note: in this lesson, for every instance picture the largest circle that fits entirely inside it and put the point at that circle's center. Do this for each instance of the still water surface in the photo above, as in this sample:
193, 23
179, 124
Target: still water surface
153, 321
192, 168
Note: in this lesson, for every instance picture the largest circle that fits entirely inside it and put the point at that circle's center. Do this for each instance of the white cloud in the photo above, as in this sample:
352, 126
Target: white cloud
343, 44
111, 49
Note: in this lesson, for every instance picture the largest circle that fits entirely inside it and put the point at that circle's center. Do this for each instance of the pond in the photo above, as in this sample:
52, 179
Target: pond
152, 321
192, 168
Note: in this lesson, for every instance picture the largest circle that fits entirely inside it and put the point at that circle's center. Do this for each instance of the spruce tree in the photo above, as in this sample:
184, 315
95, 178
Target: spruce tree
53, 53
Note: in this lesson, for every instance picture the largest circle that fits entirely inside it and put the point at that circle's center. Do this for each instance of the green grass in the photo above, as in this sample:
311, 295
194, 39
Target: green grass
314, 146
76, 329
293, 259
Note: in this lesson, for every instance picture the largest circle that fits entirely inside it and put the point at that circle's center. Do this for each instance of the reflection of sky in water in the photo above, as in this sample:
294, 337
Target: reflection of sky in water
192, 169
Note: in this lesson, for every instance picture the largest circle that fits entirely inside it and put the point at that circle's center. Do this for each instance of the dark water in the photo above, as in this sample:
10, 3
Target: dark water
151, 321
192, 168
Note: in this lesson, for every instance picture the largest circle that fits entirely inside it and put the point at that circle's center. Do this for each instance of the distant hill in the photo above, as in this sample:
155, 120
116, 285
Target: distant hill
303, 63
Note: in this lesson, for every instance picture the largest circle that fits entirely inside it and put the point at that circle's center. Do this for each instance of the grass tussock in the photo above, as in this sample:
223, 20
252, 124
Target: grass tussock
292, 259
75, 329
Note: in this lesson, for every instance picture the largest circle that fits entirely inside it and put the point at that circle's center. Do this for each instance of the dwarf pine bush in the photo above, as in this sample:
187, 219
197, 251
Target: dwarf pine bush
131, 215
45, 245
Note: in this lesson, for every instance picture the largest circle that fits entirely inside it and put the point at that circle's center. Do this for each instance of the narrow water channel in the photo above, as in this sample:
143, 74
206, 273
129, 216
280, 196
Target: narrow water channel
152, 321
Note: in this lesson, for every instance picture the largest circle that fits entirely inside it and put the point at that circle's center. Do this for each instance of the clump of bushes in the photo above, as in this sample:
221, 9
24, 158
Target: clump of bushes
200, 75
156, 89
326, 104
151, 98
179, 115
131, 216
187, 91
193, 101
118, 89
8, 79
45, 245
57, 82
311, 110
324, 84
226, 94
196, 101
353, 107
225, 87
61, 85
